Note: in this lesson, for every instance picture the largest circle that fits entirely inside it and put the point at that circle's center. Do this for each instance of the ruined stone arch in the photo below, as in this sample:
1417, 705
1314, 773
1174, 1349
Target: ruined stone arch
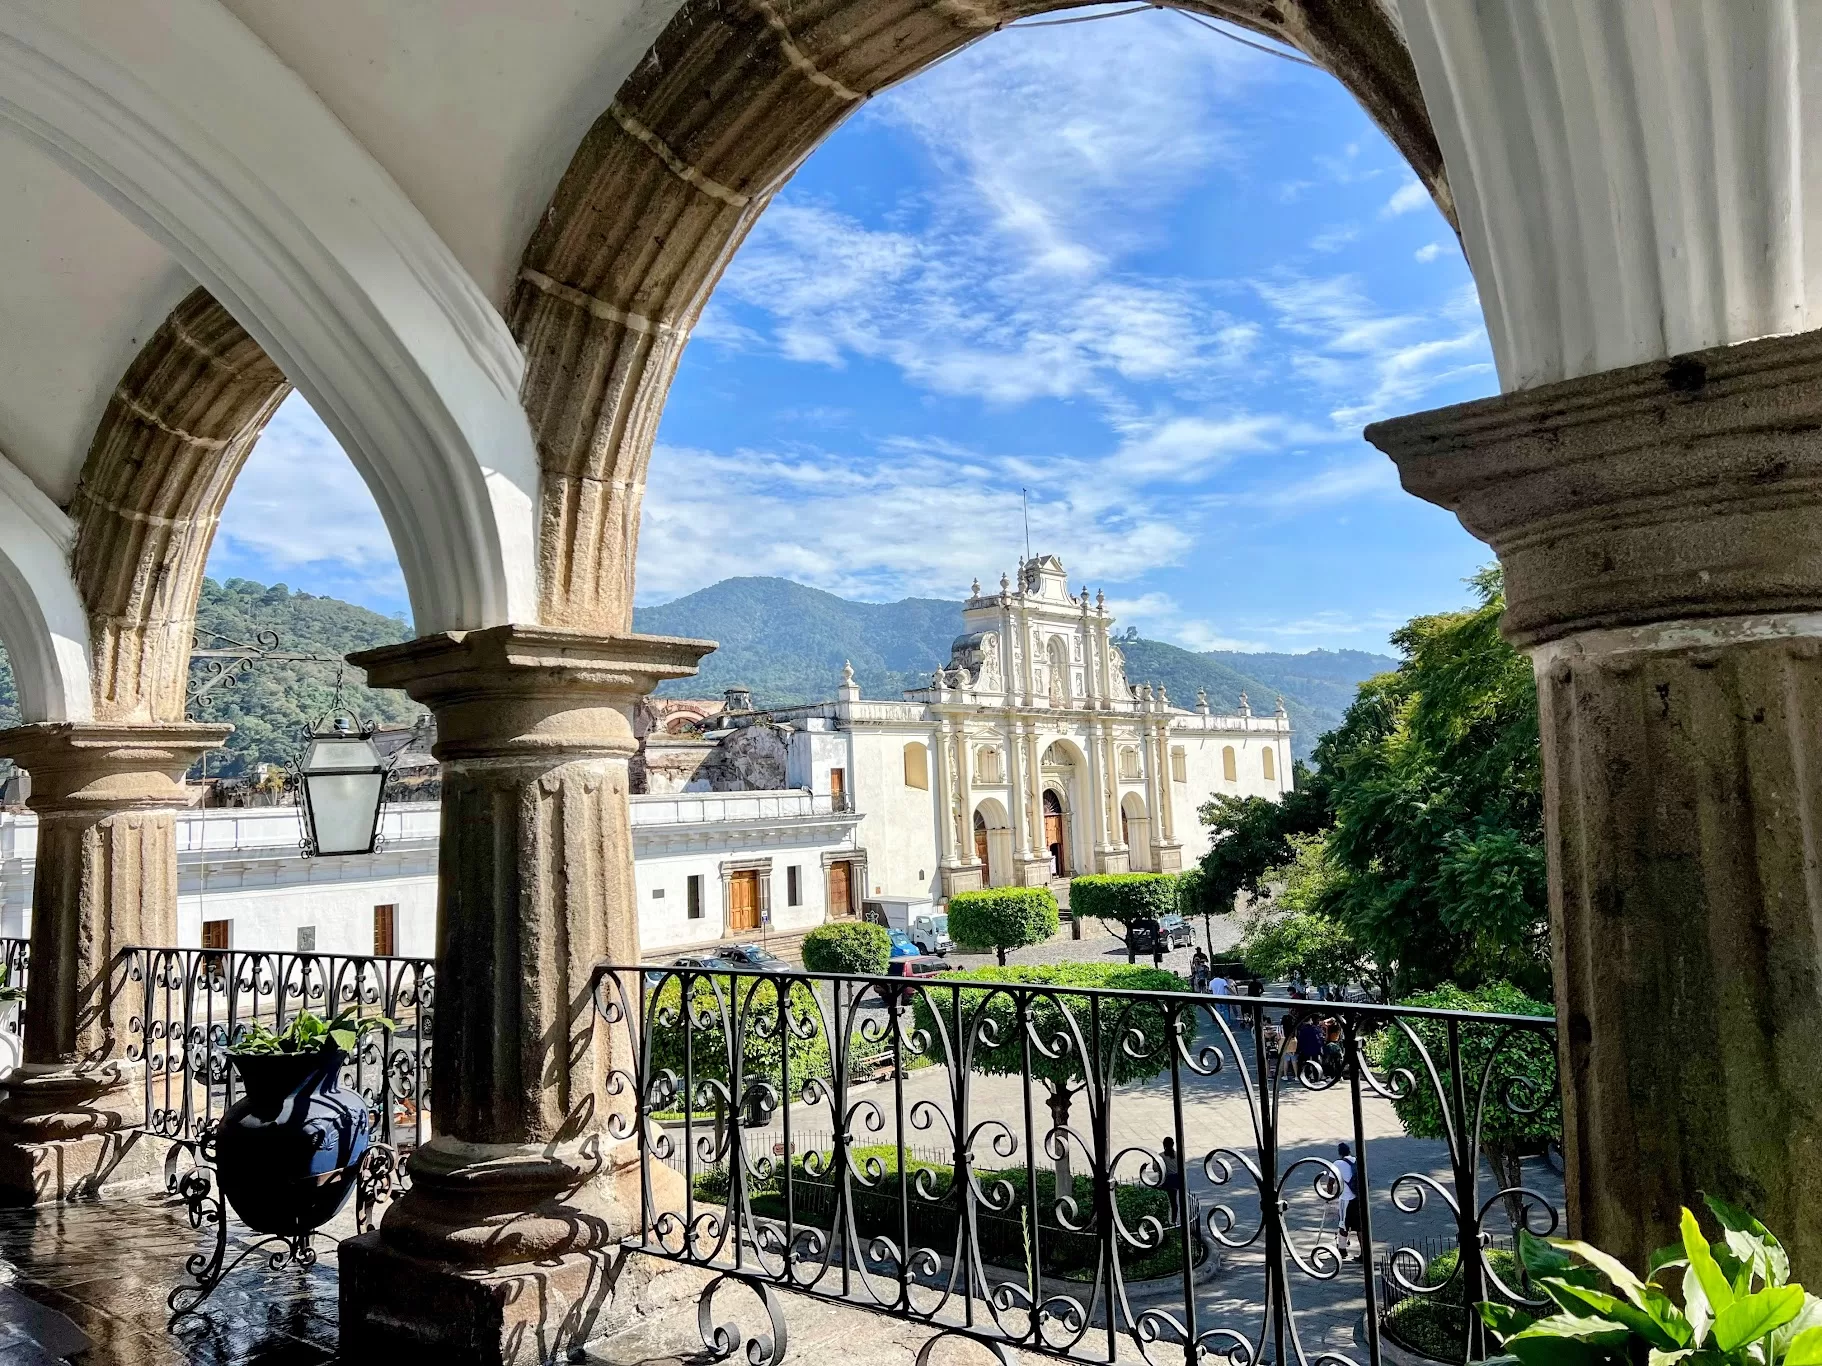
665, 186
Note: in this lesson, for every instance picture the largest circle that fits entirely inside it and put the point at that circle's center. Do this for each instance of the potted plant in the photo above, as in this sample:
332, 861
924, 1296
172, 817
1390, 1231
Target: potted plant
287, 1151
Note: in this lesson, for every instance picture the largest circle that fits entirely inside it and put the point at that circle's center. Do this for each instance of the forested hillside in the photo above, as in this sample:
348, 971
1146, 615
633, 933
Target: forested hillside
784, 641
272, 705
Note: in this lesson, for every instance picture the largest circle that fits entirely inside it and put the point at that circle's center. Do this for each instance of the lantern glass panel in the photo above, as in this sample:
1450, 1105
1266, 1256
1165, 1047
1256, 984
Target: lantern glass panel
343, 778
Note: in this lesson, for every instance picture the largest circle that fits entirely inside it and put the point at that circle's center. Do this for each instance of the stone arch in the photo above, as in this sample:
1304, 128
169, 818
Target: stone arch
327, 268
665, 186
993, 842
171, 442
1135, 832
42, 623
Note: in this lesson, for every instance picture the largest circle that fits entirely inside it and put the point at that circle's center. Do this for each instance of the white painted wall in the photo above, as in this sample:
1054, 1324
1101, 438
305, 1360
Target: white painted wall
898, 829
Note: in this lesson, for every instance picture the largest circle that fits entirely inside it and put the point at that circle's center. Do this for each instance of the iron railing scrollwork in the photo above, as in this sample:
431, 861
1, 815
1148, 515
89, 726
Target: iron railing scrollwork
184, 1007
1058, 1221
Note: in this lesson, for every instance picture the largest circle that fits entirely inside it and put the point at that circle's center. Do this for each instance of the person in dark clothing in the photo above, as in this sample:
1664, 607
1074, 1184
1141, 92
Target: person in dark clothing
1173, 1179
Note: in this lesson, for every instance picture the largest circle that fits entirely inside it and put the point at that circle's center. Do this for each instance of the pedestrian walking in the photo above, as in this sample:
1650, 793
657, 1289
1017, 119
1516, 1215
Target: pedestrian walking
1173, 1179
1353, 1202
1198, 972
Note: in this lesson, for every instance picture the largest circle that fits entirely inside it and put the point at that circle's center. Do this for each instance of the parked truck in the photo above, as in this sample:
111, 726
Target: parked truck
918, 917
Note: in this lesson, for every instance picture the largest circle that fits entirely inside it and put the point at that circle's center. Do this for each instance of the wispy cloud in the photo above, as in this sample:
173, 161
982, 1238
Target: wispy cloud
1407, 198
1428, 252
1374, 361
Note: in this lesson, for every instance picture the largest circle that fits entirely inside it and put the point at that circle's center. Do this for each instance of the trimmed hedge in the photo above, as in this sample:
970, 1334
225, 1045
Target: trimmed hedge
1122, 898
847, 946
1002, 918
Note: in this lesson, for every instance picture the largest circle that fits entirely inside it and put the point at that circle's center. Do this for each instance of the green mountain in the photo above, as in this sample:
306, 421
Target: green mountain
784, 641
272, 705
787, 643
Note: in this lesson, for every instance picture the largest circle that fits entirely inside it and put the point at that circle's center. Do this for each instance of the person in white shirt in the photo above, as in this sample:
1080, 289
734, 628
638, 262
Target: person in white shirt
1220, 986
1349, 1220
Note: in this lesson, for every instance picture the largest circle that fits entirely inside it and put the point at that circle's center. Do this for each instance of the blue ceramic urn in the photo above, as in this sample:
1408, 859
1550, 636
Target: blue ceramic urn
287, 1151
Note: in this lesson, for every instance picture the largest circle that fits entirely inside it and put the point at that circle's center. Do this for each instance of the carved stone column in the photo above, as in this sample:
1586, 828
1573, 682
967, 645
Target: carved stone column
536, 885
107, 798
1661, 533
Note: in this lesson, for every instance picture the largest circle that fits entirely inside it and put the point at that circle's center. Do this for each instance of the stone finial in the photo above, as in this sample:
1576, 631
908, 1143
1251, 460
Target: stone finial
1246, 708
1202, 701
849, 690
974, 589
1100, 601
1005, 583
847, 671
1280, 711
1163, 697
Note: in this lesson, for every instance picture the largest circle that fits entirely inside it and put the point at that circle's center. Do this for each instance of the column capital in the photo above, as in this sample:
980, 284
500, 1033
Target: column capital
531, 690
102, 768
1679, 489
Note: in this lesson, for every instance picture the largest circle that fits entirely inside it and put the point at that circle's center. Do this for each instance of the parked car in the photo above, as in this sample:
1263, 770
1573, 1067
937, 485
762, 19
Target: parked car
755, 956
1176, 930
925, 965
903, 946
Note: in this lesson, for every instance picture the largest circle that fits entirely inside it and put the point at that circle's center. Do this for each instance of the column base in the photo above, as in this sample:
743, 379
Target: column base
1167, 858
1112, 861
1034, 872
95, 1166
409, 1308
964, 879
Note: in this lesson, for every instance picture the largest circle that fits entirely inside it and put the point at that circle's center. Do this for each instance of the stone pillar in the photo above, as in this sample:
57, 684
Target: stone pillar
107, 798
1015, 790
1660, 528
535, 728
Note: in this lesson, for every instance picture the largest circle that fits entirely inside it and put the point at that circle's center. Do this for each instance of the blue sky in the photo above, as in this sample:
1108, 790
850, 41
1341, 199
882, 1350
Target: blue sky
1157, 278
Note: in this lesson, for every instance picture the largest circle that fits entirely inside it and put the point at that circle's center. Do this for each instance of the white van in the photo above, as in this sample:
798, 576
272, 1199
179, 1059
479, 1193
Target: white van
918, 917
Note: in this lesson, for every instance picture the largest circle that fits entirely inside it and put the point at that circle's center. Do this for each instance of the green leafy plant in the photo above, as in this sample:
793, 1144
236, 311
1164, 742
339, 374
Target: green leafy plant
9, 992
1738, 1309
307, 1033
1123, 899
1523, 1110
1002, 918
847, 946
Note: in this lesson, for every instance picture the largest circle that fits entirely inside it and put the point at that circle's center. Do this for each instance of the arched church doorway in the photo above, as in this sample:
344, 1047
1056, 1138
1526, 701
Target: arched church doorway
993, 843
1135, 832
1056, 833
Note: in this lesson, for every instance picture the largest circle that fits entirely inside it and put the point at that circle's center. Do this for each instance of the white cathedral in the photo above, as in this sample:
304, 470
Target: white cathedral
1029, 758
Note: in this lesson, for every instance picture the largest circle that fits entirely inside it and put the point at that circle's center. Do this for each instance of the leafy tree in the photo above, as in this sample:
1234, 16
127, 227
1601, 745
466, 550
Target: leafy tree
1523, 1106
1436, 783
847, 946
1292, 937
1133, 1044
1002, 918
1123, 899
1252, 836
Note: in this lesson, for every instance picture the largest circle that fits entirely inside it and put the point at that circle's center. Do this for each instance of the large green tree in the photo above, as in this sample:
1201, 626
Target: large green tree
1428, 798
1436, 785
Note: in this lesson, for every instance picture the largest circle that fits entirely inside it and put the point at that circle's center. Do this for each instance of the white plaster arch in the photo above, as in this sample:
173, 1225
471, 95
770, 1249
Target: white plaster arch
179, 116
1135, 827
42, 624
1633, 180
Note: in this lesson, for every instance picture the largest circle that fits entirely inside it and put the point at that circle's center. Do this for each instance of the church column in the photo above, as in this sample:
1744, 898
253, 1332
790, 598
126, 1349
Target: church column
1661, 535
1015, 790
1097, 824
107, 798
945, 804
964, 782
498, 1251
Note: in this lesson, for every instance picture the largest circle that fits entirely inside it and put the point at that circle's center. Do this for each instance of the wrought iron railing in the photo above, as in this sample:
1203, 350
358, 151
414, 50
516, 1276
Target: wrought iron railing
185, 1006
1126, 1174
15, 970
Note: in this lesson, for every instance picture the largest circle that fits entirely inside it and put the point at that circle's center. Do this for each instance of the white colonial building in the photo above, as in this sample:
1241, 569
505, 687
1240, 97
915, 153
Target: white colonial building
1029, 758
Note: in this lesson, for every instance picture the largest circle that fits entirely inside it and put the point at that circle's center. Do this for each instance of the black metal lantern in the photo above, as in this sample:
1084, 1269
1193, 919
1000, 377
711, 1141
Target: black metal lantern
343, 781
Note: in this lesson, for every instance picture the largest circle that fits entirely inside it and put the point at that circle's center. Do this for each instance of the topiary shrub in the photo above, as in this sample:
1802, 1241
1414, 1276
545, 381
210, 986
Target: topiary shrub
851, 946
1002, 918
1120, 899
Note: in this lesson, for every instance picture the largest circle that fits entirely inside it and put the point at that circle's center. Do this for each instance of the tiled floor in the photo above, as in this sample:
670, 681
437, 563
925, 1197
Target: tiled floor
110, 1266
